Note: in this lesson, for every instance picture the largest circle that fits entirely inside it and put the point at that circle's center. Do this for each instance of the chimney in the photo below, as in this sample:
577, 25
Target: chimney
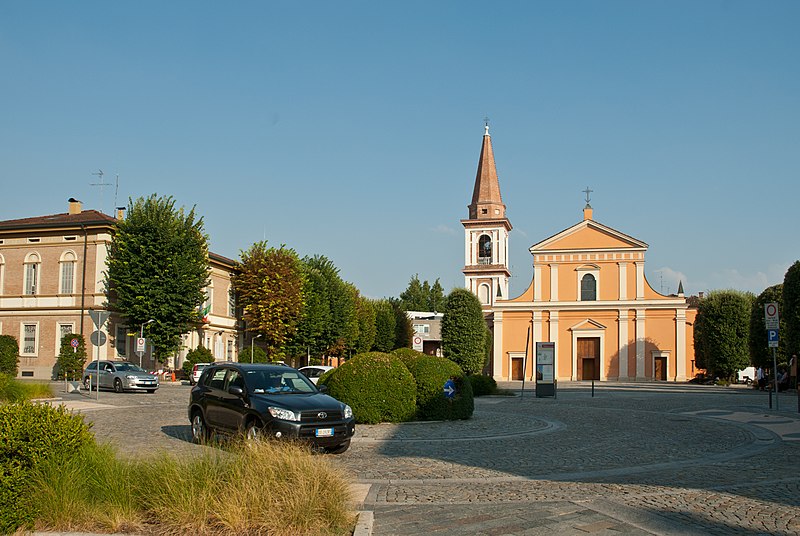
587, 212
120, 213
74, 206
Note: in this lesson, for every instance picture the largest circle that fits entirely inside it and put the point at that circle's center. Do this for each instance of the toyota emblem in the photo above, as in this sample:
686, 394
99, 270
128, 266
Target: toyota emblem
322, 415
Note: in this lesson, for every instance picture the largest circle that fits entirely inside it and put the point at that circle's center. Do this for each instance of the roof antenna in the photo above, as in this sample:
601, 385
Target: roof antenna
101, 184
116, 191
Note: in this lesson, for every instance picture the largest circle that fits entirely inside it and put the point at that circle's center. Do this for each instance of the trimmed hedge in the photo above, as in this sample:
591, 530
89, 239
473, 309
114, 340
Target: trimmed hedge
29, 434
376, 385
482, 385
9, 355
430, 374
407, 355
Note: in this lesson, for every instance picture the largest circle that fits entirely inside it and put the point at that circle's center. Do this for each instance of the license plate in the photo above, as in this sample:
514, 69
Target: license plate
324, 432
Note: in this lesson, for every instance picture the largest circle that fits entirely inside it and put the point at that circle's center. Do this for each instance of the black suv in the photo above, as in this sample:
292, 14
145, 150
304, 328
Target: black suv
268, 401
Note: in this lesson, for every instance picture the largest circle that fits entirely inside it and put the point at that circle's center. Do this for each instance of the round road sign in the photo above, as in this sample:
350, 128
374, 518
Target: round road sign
74, 343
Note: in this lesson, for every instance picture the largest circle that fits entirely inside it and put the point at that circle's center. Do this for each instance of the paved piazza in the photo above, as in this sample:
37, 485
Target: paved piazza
633, 459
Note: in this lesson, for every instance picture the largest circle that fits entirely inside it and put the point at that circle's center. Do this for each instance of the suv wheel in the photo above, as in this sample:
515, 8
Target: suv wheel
200, 431
118, 386
253, 432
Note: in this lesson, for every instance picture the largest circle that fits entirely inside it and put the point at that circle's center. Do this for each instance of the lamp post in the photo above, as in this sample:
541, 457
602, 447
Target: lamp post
252, 341
141, 336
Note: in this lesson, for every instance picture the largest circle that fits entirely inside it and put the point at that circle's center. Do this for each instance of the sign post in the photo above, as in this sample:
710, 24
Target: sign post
545, 369
99, 317
772, 321
140, 348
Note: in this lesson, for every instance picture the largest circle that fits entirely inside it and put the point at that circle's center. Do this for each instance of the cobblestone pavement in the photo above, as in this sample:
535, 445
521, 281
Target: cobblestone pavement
633, 459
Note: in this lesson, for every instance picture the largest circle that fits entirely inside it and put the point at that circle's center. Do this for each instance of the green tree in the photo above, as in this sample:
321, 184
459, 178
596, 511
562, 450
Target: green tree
422, 296
760, 352
403, 327
464, 331
365, 317
385, 320
71, 360
259, 355
201, 354
721, 332
9, 355
328, 325
269, 287
158, 269
791, 310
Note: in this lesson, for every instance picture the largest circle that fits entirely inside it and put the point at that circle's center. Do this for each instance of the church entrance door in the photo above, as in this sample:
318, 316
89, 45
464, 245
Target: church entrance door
516, 369
589, 358
660, 368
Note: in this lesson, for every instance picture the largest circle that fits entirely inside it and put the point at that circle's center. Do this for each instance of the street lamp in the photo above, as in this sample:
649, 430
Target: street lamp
252, 341
141, 336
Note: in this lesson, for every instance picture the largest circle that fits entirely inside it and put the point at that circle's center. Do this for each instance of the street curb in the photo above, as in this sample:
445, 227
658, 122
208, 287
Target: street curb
366, 520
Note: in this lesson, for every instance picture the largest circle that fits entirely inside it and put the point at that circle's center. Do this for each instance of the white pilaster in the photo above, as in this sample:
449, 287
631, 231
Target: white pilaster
639, 280
640, 335
623, 280
553, 282
623, 344
554, 327
537, 283
680, 345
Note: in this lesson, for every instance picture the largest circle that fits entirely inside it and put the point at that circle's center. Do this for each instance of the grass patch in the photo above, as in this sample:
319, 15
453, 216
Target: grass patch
268, 487
13, 390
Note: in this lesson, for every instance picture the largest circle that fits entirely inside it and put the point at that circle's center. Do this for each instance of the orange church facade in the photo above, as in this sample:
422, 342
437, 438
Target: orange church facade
589, 296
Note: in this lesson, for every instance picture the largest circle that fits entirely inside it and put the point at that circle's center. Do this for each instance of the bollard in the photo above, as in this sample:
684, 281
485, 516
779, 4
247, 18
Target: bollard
770, 399
592, 387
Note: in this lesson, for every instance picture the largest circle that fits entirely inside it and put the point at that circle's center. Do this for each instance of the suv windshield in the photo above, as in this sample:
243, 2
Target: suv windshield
278, 382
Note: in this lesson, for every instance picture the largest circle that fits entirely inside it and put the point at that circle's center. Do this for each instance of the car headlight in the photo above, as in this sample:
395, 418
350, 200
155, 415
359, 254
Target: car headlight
284, 414
348, 411
130, 377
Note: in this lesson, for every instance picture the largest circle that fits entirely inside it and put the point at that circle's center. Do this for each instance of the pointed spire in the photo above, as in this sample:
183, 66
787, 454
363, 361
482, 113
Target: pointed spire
487, 203
680, 288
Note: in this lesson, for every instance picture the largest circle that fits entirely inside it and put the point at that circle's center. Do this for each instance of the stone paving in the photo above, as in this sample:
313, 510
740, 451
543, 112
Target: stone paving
633, 459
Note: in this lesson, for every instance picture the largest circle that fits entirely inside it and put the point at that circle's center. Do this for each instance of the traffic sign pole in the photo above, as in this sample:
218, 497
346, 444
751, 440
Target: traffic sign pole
772, 322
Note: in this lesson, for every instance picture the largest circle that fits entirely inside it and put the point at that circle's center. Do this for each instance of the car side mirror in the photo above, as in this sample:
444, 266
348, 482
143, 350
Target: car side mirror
322, 388
235, 390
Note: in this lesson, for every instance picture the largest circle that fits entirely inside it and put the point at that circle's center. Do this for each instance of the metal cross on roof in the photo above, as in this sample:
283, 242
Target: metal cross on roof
587, 191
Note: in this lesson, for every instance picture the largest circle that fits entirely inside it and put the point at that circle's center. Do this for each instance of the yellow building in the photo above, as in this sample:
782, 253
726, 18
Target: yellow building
589, 296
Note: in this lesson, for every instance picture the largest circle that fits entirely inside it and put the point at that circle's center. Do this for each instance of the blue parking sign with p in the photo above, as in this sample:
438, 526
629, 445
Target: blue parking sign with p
772, 337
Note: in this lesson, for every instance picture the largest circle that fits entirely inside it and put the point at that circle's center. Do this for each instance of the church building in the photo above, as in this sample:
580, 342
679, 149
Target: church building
589, 296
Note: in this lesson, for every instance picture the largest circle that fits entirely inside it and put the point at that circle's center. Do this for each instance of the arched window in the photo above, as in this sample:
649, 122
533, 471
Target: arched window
484, 293
33, 265
68, 262
485, 250
588, 288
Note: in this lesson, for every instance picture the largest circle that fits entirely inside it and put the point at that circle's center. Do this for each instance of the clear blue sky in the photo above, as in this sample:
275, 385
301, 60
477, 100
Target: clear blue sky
353, 129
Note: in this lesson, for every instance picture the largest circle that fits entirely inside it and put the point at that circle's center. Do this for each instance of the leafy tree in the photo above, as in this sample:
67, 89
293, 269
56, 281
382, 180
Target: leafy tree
385, 320
422, 296
403, 327
365, 317
259, 355
9, 355
464, 331
721, 332
71, 360
201, 354
269, 285
328, 325
158, 269
760, 353
791, 310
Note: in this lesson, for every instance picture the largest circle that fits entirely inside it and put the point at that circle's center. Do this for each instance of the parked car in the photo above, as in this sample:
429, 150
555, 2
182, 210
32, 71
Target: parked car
268, 401
313, 372
120, 376
197, 370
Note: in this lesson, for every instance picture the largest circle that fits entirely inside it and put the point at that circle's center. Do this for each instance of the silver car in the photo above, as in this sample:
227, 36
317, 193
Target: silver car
120, 376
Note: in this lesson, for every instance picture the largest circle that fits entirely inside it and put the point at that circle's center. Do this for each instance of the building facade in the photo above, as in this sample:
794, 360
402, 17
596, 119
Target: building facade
52, 273
589, 296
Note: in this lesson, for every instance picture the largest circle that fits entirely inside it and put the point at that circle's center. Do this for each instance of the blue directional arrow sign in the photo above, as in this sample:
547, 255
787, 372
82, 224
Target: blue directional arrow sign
449, 389
772, 337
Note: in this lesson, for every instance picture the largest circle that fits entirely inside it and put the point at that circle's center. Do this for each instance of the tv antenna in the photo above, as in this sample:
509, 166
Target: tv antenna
100, 184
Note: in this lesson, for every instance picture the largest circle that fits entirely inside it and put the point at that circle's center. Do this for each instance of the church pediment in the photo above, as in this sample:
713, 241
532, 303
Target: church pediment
588, 235
587, 325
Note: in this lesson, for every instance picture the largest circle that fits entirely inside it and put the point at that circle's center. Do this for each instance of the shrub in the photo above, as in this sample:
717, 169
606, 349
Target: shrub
9, 355
407, 355
482, 385
377, 386
30, 434
430, 374
201, 354
259, 355
464, 331
71, 360
13, 390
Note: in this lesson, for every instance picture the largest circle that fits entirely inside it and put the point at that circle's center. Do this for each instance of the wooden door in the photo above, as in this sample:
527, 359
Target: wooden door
516, 369
660, 368
589, 358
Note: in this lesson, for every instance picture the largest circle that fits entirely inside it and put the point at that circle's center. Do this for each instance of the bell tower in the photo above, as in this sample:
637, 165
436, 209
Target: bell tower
486, 233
